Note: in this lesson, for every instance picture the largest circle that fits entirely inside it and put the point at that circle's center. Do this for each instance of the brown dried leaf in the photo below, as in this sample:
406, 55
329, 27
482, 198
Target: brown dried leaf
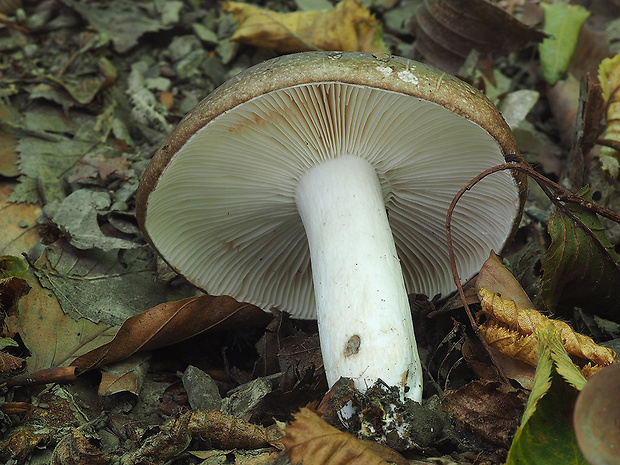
510, 330
10, 363
347, 27
172, 322
477, 357
312, 441
224, 432
494, 277
11, 289
41, 425
75, 449
124, 376
448, 30
563, 101
228, 432
492, 410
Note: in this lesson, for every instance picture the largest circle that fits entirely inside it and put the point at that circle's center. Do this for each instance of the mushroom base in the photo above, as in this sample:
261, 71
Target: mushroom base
363, 313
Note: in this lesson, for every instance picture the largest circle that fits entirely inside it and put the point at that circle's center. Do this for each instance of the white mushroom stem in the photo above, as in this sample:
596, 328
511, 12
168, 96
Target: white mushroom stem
363, 313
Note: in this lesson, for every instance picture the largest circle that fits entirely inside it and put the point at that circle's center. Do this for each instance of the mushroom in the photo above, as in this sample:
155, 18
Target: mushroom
318, 183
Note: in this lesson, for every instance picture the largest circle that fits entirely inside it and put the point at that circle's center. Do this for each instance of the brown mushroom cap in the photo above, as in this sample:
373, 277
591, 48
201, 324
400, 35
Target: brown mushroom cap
367, 74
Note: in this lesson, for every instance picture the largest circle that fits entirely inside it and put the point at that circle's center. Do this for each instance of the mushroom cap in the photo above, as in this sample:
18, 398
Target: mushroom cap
218, 198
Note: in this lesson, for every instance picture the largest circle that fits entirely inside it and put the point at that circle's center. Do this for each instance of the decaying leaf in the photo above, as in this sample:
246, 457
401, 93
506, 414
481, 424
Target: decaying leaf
82, 89
489, 408
74, 448
312, 441
101, 286
172, 322
223, 431
8, 144
123, 25
563, 23
347, 27
43, 162
17, 223
9, 364
609, 78
511, 330
448, 30
494, 277
52, 337
124, 376
12, 283
546, 435
46, 421
580, 267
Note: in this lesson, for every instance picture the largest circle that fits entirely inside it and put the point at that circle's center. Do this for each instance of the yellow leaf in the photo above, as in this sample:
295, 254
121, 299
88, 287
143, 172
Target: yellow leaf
347, 27
510, 329
311, 441
609, 78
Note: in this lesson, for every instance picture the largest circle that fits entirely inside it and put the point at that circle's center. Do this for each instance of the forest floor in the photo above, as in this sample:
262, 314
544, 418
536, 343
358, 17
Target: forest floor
107, 356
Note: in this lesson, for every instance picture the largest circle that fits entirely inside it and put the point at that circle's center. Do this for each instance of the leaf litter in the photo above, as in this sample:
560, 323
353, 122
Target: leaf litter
88, 92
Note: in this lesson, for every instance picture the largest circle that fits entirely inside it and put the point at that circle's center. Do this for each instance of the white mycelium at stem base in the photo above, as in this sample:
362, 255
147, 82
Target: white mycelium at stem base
362, 307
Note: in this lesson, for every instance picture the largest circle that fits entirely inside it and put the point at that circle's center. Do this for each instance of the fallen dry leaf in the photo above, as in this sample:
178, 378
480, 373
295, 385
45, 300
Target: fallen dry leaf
172, 322
124, 376
11, 289
347, 27
17, 223
223, 431
228, 432
9, 160
477, 358
490, 409
494, 277
563, 101
510, 330
448, 30
74, 448
312, 441
53, 413
609, 78
52, 337
10, 363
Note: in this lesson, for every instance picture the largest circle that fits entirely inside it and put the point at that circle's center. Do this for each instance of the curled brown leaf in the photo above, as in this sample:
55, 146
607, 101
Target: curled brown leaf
172, 322
312, 441
448, 30
510, 329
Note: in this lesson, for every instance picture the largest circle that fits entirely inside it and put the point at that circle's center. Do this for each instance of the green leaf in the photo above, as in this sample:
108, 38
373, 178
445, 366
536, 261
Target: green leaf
579, 268
563, 22
12, 267
7, 342
546, 435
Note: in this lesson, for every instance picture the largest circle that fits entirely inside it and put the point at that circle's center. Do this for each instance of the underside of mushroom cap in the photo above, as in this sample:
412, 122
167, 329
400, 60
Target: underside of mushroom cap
218, 200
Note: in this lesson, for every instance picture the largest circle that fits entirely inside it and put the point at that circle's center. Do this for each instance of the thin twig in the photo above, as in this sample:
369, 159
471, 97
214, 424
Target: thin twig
556, 193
